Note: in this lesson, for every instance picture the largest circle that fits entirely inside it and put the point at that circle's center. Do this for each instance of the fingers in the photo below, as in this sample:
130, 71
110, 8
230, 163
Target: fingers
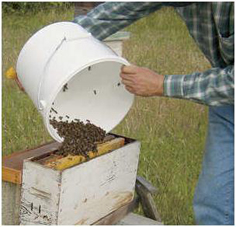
19, 84
128, 73
130, 69
127, 82
130, 89
127, 76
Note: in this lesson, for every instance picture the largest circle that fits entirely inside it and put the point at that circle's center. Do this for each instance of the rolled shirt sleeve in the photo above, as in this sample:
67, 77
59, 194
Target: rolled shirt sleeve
214, 87
110, 17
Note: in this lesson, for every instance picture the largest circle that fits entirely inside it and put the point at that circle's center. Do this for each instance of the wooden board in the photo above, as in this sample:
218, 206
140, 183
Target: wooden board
145, 191
145, 184
117, 215
10, 203
117, 46
135, 219
11, 175
12, 164
40, 195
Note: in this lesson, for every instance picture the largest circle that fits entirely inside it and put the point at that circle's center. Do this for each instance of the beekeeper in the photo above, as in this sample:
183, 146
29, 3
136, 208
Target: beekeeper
211, 24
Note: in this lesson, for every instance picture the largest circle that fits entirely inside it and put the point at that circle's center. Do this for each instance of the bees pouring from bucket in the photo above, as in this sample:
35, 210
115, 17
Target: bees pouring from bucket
79, 138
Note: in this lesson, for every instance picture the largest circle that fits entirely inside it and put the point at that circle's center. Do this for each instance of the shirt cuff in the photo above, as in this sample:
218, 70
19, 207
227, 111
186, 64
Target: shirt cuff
173, 86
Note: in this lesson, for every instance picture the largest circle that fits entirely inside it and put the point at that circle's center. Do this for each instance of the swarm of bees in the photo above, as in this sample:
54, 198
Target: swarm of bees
79, 138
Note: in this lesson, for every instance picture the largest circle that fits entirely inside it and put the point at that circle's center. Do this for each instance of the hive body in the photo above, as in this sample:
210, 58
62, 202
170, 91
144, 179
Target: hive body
82, 194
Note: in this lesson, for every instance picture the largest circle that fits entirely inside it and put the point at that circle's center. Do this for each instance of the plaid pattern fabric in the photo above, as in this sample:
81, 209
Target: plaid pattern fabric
211, 24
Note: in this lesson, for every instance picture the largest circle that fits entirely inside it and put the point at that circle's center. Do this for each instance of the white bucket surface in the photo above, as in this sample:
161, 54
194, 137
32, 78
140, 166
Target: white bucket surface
71, 75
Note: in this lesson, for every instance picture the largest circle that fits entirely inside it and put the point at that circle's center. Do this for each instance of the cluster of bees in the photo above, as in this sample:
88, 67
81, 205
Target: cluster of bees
79, 138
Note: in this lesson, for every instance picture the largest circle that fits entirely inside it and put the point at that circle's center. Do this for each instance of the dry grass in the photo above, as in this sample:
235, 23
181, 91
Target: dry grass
171, 131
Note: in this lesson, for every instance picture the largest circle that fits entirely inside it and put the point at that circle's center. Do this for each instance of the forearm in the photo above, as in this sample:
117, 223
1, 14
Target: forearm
214, 87
110, 17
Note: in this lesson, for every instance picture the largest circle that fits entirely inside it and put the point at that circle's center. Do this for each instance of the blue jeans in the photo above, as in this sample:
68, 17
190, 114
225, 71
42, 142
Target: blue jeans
214, 194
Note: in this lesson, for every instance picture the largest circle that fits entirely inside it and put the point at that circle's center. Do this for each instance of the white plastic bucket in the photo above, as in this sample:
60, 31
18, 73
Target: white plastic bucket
64, 68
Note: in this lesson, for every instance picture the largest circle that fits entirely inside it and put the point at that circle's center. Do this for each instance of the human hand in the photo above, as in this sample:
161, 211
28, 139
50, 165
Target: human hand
11, 74
19, 84
142, 81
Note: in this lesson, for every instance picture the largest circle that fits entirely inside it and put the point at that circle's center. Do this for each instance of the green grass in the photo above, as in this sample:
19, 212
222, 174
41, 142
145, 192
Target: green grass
171, 131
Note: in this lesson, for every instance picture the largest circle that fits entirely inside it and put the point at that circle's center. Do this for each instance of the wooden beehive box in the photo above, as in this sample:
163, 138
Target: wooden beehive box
115, 41
81, 194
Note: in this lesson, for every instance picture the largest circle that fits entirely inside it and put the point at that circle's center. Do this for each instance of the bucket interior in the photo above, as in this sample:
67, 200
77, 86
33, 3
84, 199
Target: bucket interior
95, 94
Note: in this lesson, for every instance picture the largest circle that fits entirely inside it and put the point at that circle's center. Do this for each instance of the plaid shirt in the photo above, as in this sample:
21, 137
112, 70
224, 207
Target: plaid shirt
211, 24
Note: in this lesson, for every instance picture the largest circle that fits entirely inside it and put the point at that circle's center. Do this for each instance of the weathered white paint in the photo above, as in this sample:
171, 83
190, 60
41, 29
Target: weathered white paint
115, 41
10, 203
82, 194
115, 46
94, 189
40, 194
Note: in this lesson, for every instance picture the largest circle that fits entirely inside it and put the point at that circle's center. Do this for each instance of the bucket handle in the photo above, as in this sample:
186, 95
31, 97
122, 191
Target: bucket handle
41, 103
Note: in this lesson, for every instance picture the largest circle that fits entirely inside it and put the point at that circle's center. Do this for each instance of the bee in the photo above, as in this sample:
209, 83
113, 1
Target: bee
54, 110
65, 87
